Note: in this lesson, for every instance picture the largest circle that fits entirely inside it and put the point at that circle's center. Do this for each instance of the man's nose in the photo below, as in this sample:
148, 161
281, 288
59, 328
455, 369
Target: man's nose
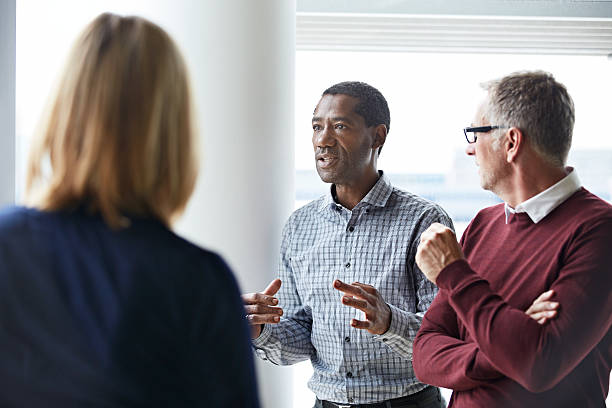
323, 138
470, 149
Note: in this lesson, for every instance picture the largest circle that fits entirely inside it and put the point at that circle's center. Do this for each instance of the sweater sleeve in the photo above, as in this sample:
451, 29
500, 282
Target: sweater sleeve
539, 356
441, 358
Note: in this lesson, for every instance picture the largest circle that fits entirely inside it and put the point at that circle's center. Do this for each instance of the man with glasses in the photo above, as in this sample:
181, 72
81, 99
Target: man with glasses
357, 335
550, 237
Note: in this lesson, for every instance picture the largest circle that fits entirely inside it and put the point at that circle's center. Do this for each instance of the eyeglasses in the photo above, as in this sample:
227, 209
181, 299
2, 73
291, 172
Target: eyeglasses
471, 138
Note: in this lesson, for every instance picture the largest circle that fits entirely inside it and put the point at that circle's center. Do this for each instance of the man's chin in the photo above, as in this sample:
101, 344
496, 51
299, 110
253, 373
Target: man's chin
327, 176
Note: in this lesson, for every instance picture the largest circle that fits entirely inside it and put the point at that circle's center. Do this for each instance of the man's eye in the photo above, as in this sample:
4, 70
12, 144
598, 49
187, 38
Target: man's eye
316, 127
340, 126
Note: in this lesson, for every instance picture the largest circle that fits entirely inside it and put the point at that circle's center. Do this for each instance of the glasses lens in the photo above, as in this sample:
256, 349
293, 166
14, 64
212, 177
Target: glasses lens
469, 136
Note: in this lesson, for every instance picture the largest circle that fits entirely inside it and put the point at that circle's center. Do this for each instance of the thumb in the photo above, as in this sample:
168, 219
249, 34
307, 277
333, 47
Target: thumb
273, 287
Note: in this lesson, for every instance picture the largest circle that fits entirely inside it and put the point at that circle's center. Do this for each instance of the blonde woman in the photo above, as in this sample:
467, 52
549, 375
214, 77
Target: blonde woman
101, 304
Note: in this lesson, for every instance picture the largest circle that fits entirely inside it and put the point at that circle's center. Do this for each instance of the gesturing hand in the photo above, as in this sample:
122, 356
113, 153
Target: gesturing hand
437, 249
259, 308
367, 299
542, 309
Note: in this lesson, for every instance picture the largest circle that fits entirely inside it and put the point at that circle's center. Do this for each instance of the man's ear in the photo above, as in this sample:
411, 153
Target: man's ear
513, 142
380, 137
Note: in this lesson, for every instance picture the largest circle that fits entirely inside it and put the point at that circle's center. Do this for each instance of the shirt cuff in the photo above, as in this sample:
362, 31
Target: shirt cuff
260, 341
395, 334
263, 338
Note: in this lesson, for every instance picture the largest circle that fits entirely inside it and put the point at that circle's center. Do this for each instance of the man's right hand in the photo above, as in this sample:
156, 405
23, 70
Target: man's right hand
259, 308
542, 309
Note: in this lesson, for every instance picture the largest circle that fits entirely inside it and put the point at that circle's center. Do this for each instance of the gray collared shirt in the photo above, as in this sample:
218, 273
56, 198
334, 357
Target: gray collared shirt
375, 243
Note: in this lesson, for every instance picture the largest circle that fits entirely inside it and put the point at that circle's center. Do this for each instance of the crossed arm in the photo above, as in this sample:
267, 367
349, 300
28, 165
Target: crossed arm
539, 357
443, 359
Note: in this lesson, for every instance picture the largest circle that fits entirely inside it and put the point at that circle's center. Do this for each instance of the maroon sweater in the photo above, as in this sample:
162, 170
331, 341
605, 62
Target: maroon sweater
476, 338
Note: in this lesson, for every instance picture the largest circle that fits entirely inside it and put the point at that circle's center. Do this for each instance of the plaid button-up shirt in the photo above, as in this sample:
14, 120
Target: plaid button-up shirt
375, 243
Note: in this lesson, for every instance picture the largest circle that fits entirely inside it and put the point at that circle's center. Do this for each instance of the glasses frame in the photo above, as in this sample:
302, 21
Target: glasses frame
479, 129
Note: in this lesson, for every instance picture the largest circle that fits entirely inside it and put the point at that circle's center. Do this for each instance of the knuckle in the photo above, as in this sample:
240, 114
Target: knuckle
259, 309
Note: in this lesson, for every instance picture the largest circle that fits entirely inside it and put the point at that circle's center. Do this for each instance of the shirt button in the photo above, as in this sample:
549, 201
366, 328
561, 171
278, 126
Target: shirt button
351, 228
348, 265
367, 210
347, 339
351, 400
385, 340
349, 374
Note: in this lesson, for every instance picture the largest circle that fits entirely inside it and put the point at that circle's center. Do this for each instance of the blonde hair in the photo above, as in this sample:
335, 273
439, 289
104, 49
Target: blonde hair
118, 136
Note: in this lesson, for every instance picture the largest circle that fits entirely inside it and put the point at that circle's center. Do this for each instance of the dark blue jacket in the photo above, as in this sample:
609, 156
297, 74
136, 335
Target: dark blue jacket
90, 316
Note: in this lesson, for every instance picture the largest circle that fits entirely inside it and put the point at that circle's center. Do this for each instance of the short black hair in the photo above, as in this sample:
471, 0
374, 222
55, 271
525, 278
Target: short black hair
372, 105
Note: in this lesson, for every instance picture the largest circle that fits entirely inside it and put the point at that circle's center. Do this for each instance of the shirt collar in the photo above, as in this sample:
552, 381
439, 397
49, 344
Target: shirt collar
377, 196
542, 204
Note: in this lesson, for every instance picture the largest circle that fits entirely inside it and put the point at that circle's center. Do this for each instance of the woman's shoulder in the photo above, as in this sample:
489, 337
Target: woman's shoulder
195, 258
16, 218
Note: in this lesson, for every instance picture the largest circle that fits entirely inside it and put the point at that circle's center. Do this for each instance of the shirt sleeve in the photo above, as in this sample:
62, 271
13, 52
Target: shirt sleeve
539, 356
404, 324
289, 341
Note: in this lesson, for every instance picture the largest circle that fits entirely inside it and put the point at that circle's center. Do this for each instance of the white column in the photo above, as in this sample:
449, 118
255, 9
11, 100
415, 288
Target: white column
242, 60
7, 102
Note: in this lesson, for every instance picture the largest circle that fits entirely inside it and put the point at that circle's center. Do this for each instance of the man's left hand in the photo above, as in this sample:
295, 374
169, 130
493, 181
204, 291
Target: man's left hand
367, 299
438, 248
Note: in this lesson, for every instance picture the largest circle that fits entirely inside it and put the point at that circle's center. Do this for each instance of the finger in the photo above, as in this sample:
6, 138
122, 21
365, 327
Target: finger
540, 315
368, 288
350, 289
542, 320
360, 324
544, 296
259, 298
354, 302
542, 307
255, 319
273, 287
261, 309
435, 229
427, 235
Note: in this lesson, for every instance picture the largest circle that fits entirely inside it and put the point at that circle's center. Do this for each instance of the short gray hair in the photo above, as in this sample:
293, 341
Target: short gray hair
539, 106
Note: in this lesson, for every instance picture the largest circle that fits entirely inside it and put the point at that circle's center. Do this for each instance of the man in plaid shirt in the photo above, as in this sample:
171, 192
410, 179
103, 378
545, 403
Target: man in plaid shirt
357, 335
